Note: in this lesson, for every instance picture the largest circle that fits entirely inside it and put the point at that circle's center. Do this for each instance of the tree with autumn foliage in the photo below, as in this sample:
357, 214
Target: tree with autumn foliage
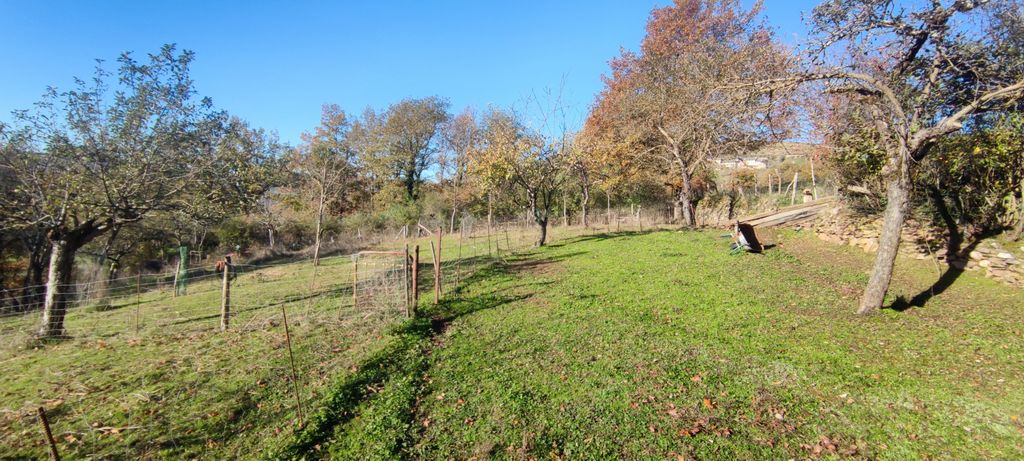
515, 157
675, 104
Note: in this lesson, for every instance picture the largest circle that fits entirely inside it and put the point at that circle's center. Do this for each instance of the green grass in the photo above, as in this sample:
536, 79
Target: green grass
662, 345
180, 388
639, 346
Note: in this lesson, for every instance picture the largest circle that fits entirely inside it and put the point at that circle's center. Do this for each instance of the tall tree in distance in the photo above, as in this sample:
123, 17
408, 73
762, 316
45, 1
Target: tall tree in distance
675, 102
461, 135
410, 134
326, 163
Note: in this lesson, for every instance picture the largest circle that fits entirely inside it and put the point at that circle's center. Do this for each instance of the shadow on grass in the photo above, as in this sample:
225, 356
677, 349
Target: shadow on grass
405, 356
602, 236
954, 252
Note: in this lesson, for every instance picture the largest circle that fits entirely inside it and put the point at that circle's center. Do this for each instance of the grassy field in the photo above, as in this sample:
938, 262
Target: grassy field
662, 345
178, 387
156, 378
634, 345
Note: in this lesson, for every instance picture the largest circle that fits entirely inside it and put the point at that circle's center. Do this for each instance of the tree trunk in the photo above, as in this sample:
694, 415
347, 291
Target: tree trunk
543, 236
1020, 217
732, 206
319, 231
58, 288
490, 212
451, 222
540, 217
33, 293
565, 212
608, 209
684, 203
583, 206
814, 179
898, 196
103, 292
270, 236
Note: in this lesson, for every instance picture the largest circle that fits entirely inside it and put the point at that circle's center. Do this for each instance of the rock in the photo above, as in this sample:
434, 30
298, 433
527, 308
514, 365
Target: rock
997, 273
1005, 255
976, 255
984, 263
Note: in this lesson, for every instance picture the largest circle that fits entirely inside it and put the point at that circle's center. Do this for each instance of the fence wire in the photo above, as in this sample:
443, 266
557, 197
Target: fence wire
191, 387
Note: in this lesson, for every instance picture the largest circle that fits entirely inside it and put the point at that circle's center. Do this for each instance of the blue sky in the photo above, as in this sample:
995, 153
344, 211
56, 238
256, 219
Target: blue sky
275, 63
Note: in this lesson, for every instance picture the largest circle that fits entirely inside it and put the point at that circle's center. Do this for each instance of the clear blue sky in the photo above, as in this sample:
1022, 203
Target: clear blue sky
275, 63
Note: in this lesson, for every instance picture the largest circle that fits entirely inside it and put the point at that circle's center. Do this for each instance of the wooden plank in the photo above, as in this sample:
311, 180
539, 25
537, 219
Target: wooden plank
789, 214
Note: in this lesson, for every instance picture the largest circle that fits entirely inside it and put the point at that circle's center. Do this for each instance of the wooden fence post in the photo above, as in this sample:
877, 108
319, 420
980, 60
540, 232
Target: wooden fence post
225, 297
508, 245
416, 278
49, 435
639, 221
405, 278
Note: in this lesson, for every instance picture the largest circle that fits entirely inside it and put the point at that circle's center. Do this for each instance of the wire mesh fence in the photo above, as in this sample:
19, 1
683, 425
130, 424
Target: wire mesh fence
147, 374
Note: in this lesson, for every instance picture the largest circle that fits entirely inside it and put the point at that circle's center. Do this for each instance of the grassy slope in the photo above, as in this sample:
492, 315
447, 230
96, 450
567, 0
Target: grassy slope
181, 388
642, 346
663, 345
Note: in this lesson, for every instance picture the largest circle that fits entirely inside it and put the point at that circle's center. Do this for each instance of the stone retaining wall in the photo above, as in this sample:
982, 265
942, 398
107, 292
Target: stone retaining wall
921, 241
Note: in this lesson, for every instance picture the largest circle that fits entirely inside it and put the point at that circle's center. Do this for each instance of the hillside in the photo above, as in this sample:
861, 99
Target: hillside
661, 345
637, 345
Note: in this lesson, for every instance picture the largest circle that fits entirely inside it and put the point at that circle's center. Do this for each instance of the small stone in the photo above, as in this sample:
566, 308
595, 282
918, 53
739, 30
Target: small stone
976, 255
984, 263
1005, 255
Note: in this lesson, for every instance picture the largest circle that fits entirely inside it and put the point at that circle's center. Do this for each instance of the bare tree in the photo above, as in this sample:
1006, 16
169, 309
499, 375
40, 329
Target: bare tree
326, 163
921, 71
461, 135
